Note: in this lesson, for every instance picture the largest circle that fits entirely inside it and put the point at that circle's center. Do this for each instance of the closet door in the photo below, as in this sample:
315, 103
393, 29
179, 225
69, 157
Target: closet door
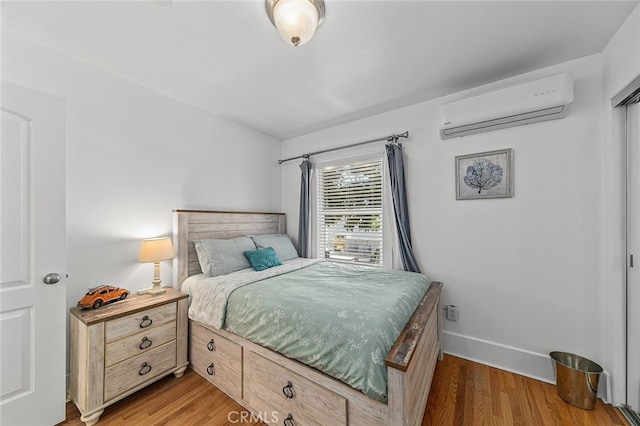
633, 281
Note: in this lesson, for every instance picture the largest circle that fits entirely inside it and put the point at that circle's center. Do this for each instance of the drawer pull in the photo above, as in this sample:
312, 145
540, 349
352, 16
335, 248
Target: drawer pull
145, 343
211, 369
145, 369
289, 421
288, 391
146, 322
211, 345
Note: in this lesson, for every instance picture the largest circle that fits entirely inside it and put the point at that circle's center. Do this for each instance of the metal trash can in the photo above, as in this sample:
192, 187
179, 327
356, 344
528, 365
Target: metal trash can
576, 379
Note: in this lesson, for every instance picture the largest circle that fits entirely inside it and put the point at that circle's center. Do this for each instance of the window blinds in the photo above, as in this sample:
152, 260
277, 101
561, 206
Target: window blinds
350, 212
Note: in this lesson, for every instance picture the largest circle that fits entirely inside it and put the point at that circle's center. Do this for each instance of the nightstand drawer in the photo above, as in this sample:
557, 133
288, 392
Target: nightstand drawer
138, 343
130, 373
139, 321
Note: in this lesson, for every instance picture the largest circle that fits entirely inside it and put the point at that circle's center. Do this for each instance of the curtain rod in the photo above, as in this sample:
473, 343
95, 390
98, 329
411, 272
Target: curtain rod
392, 138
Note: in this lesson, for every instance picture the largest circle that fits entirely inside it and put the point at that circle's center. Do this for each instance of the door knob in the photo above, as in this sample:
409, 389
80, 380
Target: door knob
51, 278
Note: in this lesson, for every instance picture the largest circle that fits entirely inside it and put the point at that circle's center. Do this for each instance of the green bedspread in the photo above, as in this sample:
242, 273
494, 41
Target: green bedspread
340, 319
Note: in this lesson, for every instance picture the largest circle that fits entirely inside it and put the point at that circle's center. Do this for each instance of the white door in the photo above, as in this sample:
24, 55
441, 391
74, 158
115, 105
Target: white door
633, 281
32, 245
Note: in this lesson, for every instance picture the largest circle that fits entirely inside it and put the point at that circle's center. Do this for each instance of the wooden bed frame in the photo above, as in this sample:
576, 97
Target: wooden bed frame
245, 371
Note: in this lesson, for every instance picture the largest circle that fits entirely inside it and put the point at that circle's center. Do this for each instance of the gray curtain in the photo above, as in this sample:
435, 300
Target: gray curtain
303, 223
400, 208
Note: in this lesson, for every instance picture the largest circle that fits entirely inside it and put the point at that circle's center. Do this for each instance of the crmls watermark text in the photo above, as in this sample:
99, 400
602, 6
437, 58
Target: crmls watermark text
248, 417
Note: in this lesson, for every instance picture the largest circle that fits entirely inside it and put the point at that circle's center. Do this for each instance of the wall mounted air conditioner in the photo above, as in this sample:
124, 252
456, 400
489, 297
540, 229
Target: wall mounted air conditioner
545, 99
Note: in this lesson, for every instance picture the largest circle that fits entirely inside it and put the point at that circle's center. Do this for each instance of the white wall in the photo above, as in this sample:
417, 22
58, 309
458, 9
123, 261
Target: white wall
525, 271
133, 155
621, 64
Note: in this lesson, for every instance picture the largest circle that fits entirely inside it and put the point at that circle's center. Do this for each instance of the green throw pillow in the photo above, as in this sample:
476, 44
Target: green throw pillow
263, 259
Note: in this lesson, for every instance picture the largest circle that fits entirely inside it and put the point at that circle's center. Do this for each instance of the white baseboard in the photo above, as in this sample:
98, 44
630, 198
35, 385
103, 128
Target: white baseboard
514, 360
68, 395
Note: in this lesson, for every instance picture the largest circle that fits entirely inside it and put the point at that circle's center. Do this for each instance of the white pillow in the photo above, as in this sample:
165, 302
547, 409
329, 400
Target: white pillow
280, 242
220, 257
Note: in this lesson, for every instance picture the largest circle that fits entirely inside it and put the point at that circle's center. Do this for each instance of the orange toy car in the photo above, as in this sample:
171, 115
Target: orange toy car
98, 296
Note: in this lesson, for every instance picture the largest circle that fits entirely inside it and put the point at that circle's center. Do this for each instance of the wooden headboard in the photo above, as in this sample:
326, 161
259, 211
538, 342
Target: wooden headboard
190, 225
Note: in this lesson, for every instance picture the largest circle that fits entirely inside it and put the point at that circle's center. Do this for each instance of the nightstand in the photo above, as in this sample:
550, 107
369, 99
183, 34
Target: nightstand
119, 349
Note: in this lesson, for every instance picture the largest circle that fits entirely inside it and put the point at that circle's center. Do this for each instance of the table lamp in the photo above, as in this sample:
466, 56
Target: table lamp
154, 250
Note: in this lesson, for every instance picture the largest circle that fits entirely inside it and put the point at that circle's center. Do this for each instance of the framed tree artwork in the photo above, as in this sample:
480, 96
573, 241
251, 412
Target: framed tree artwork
484, 175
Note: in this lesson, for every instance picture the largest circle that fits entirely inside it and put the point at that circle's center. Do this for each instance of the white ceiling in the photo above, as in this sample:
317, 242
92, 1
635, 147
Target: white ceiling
368, 57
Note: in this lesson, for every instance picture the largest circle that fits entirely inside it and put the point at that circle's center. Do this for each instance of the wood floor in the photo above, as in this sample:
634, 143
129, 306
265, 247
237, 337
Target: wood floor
467, 393
462, 393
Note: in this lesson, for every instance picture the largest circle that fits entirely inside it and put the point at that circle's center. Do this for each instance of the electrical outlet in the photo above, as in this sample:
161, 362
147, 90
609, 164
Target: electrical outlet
451, 312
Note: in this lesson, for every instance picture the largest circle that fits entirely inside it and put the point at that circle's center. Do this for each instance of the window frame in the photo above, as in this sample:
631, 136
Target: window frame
383, 210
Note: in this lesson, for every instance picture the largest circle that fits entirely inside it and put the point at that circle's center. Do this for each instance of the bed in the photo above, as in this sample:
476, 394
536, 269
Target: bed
279, 389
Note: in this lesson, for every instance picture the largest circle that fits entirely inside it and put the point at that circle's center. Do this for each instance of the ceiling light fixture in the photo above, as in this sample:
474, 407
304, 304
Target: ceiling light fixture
296, 20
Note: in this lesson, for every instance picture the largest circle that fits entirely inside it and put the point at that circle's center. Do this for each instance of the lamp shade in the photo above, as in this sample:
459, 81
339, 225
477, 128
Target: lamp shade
155, 250
296, 20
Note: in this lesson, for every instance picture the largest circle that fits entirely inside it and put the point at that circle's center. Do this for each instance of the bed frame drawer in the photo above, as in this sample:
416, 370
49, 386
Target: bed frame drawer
272, 387
217, 359
139, 321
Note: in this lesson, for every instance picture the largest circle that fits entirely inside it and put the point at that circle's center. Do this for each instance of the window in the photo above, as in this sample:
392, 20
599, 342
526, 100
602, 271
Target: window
349, 212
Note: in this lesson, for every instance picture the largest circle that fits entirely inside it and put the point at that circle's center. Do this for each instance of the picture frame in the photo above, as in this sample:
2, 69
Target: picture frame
484, 175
